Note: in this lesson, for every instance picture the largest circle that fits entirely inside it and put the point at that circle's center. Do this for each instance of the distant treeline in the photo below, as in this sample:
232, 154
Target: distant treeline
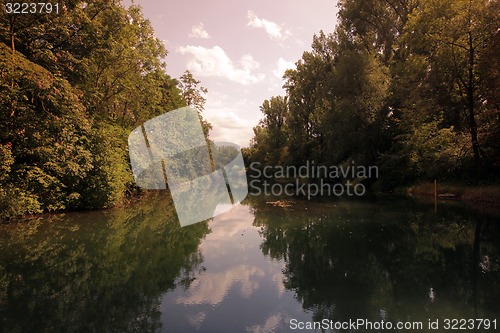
72, 86
409, 85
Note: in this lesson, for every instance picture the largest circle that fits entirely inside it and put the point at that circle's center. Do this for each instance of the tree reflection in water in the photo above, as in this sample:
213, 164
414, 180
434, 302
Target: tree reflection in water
97, 272
132, 269
394, 261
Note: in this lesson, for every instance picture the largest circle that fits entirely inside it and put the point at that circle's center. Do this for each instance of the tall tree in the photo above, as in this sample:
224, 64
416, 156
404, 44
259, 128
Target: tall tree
191, 90
454, 35
193, 95
78, 82
271, 134
46, 133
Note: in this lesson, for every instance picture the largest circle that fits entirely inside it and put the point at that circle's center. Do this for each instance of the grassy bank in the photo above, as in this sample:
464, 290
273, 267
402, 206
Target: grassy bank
483, 194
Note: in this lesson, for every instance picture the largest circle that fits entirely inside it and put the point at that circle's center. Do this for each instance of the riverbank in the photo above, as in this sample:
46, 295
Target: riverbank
489, 194
131, 197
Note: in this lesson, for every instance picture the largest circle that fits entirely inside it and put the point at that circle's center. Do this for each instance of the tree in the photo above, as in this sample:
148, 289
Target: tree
409, 84
334, 106
191, 91
45, 133
376, 24
309, 91
73, 86
192, 94
454, 36
275, 113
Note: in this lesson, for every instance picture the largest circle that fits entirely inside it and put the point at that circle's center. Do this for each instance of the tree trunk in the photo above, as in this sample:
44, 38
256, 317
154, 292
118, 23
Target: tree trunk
12, 35
473, 134
471, 100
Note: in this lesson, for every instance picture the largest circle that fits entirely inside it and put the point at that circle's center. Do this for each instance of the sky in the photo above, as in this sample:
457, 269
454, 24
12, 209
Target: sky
239, 51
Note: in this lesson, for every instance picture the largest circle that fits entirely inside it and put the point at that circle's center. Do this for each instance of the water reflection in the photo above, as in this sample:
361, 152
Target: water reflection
386, 260
98, 272
251, 269
240, 290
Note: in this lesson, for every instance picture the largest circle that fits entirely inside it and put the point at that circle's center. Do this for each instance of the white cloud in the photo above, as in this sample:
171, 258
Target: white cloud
211, 288
229, 115
230, 127
215, 62
270, 325
272, 29
300, 43
248, 63
197, 319
198, 31
281, 66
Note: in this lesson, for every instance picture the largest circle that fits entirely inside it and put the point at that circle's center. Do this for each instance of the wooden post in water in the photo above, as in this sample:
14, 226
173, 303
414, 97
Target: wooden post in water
435, 196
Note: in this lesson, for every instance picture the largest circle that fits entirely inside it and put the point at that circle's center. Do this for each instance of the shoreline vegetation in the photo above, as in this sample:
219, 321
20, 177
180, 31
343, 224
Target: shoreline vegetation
413, 92
480, 194
73, 85
408, 86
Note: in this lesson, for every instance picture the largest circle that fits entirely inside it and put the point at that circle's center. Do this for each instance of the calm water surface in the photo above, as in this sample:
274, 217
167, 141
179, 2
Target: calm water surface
256, 268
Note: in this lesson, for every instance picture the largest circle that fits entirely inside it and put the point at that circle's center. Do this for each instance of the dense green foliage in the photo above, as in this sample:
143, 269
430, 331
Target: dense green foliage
410, 86
73, 85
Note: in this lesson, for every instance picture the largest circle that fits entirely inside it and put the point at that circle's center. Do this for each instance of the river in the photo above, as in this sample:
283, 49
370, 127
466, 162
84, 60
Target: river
260, 267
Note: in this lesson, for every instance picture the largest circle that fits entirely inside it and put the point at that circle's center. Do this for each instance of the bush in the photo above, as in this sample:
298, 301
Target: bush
110, 175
